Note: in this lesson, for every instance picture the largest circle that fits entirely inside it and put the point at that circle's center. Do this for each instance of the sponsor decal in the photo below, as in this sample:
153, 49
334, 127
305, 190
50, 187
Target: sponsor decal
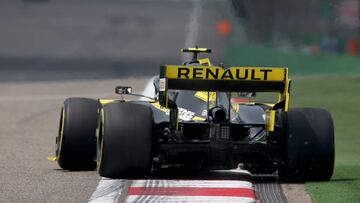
217, 73
162, 84
185, 115
233, 73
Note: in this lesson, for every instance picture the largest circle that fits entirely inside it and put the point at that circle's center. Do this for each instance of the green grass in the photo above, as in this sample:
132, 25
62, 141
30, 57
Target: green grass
344, 187
300, 64
339, 93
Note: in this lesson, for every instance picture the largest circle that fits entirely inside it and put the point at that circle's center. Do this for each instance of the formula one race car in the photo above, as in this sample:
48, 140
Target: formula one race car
203, 116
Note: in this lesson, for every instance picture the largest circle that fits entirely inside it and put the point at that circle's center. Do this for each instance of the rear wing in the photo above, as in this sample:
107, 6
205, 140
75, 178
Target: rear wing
234, 79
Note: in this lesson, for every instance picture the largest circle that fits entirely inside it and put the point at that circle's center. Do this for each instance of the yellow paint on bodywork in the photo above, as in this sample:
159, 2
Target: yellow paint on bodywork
195, 49
205, 61
198, 118
204, 96
52, 158
270, 120
287, 93
159, 107
106, 101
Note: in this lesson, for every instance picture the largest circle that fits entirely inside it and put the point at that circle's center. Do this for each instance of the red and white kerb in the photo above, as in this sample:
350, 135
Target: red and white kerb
208, 191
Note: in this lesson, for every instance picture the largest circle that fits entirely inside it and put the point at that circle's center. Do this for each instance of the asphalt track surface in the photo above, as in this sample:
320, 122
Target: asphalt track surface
51, 50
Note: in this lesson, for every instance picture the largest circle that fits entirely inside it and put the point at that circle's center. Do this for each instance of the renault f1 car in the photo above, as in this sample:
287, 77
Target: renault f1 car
200, 115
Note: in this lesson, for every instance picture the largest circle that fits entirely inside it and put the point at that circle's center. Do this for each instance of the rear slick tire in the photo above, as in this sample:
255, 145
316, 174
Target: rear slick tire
308, 146
76, 142
125, 140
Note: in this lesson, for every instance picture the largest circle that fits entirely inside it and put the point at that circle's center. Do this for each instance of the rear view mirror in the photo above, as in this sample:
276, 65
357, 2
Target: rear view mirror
123, 90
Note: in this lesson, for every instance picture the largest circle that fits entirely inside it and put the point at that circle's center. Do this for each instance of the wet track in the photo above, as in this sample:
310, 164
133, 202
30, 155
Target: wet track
51, 50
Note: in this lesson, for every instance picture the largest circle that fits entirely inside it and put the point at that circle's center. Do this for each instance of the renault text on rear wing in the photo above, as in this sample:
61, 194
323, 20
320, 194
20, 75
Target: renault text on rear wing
213, 78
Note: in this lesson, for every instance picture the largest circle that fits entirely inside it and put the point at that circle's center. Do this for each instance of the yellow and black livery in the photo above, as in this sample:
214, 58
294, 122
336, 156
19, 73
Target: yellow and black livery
203, 116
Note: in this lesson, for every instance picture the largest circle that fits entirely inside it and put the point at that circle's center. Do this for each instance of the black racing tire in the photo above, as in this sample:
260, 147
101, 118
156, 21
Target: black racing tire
308, 147
76, 142
125, 141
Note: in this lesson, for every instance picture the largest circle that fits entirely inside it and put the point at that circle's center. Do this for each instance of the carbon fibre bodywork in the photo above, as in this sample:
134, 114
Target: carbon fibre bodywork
201, 143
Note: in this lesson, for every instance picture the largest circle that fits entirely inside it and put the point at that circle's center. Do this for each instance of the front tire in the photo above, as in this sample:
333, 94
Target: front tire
308, 147
76, 142
125, 140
